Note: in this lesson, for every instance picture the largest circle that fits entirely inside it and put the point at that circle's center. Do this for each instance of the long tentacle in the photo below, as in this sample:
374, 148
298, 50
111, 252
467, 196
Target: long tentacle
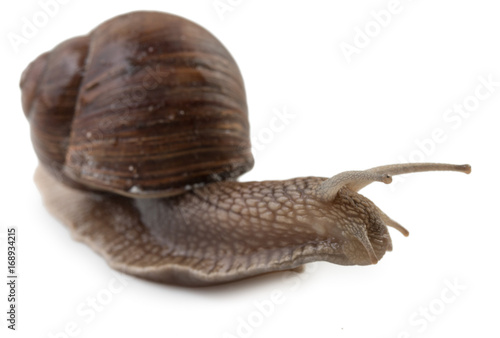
406, 168
357, 180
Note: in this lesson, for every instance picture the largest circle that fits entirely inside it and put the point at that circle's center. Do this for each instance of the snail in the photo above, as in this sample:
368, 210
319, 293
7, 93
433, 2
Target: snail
141, 131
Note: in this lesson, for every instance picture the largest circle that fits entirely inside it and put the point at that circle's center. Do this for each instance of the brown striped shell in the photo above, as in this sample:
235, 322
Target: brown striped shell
147, 104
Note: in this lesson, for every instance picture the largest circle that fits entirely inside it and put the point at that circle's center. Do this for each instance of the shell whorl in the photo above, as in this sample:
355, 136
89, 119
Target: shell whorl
148, 104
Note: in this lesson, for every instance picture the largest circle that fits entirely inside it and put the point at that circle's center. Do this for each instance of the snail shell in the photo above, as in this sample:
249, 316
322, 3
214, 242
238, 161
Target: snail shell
146, 105
152, 106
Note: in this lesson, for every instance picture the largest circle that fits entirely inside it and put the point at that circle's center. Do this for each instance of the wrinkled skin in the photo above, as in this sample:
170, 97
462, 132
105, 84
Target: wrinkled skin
223, 231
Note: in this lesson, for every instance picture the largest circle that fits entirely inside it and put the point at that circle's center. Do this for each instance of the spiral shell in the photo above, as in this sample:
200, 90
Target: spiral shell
148, 104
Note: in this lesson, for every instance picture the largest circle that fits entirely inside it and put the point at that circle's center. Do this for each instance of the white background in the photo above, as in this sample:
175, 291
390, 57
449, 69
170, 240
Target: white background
347, 115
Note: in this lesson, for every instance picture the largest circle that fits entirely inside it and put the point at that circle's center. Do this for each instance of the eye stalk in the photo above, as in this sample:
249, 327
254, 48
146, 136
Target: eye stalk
357, 180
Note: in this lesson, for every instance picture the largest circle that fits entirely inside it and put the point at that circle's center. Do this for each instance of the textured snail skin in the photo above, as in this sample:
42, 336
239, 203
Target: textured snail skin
221, 232
230, 230
151, 185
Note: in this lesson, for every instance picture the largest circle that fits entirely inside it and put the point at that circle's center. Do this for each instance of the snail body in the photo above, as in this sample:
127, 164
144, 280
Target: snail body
141, 130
